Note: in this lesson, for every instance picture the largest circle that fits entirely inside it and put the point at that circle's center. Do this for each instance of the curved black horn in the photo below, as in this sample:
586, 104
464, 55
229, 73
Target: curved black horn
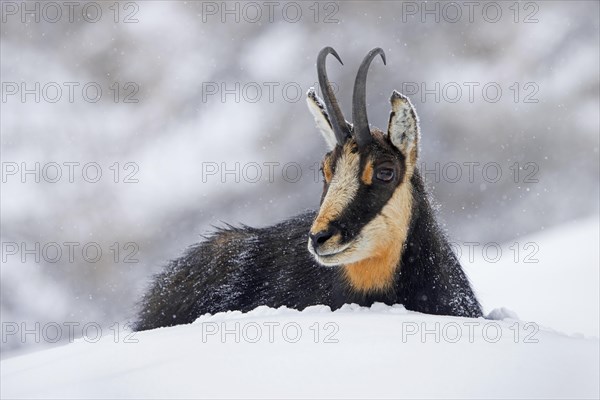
338, 122
362, 133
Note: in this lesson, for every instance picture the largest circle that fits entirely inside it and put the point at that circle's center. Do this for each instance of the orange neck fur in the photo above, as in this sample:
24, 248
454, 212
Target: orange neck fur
389, 230
374, 274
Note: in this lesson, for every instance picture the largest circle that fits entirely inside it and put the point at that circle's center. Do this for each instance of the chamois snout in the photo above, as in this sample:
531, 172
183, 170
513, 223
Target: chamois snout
320, 238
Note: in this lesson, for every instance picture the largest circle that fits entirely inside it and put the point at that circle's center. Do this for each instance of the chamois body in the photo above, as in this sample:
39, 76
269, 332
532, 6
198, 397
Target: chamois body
243, 268
373, 239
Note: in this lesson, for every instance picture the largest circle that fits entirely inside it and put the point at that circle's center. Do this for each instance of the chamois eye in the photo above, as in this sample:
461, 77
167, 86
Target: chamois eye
385, 174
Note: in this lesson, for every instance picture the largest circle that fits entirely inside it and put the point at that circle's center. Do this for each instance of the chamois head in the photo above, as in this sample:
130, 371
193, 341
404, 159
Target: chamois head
367, 199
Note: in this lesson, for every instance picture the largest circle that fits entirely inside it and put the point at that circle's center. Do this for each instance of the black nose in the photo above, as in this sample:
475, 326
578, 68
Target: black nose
321, 237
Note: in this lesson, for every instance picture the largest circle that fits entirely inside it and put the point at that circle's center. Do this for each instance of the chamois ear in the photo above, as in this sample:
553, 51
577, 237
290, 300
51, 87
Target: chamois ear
403, 128
317, 109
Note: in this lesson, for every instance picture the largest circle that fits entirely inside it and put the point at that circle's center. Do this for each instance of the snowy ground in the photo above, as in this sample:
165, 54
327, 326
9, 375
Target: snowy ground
359, 352
560, 290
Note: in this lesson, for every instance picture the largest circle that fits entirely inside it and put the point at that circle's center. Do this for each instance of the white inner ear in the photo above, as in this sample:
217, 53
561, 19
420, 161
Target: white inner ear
403, 128
317, 109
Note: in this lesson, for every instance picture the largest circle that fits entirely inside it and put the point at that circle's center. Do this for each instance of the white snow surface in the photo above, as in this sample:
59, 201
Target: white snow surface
560, 290
356, 352
370, 359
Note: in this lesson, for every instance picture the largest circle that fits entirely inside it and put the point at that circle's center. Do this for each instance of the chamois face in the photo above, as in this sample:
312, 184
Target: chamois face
367, 200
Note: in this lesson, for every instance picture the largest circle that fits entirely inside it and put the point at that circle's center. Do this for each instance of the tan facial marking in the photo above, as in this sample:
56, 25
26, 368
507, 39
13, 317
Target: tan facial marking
367, 174
389, 231
342, 189
327, 171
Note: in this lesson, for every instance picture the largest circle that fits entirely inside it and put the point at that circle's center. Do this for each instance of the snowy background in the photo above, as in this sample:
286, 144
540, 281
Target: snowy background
169, 57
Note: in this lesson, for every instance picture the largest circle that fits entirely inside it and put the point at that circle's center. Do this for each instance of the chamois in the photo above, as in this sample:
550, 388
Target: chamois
373, 239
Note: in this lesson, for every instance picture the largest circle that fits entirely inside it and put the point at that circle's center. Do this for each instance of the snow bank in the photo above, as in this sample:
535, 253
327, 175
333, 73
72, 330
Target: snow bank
550, 277
354, 352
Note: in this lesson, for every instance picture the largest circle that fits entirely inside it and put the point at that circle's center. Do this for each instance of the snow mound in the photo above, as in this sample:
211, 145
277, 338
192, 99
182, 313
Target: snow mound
381, 351
550, 277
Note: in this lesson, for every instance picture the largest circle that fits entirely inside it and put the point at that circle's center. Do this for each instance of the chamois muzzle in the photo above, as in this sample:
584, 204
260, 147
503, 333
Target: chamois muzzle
321, 237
